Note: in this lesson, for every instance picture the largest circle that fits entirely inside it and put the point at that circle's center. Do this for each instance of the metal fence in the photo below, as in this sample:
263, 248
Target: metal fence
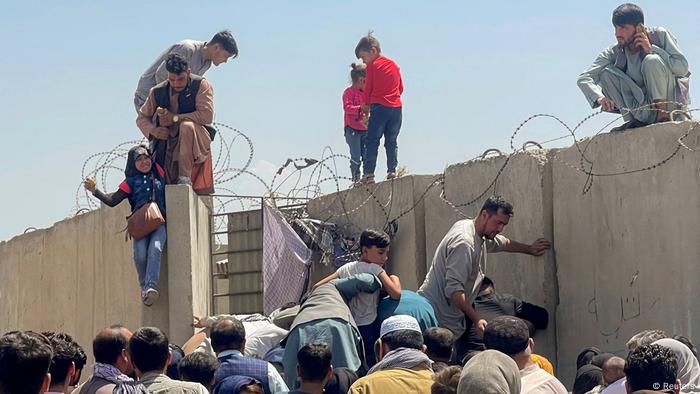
237, 260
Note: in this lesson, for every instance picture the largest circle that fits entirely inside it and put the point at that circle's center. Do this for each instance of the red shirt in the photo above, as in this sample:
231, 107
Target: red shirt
383, 83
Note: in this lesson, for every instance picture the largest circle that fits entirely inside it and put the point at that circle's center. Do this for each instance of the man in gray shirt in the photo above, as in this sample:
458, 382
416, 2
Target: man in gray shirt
644, 77
199, 55
455, 276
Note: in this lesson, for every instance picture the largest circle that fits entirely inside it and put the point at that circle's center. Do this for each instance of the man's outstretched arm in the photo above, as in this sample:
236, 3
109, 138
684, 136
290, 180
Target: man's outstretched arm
537, 248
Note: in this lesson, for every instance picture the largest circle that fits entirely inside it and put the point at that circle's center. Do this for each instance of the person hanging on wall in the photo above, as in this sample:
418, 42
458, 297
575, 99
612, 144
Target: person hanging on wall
455, 276
644, 76
144, 180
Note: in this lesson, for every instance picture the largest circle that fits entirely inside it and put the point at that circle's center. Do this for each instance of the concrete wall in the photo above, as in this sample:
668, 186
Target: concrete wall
525, 182
625, 253
371, 207
190, 259
627, 250
78, 275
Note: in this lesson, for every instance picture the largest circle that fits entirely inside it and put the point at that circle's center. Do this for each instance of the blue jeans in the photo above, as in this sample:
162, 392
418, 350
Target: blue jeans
370, 334
383, 121
147, 252
356, 140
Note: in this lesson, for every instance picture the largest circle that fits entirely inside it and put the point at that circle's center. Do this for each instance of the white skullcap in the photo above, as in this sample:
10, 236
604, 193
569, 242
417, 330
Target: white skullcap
399, 322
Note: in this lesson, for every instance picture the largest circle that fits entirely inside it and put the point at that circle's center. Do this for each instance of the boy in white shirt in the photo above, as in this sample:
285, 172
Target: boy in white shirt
375, 251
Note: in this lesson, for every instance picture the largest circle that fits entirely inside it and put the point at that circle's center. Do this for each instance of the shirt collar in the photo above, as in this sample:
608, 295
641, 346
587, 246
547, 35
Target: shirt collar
230, 352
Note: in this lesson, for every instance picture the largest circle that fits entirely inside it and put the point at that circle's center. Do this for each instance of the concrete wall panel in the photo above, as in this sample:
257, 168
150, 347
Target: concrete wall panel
371, 207
628, 249
523, 182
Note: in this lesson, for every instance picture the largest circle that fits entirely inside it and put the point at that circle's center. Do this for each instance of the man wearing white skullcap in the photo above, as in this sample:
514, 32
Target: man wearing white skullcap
403, 366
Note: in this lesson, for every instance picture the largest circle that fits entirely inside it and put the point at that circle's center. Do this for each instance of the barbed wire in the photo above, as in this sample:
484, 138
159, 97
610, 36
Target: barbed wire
289, 184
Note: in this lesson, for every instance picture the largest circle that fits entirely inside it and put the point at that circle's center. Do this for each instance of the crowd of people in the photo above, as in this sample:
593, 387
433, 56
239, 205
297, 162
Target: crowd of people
358, 330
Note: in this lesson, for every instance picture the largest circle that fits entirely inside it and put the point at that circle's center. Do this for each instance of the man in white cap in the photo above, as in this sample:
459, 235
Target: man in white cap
403, 366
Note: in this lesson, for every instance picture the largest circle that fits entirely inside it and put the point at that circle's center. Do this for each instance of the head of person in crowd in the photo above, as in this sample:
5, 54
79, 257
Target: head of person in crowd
178, 72
438, 342
340, 381
314, 367
368, 48
688, 367
487, 286
490, 372
400, 331
587, 378
586, 356
625, 19
374, 245
172, 370
651, 367
25, 358
613, 370
198, 367
221, 48
493, 217
237, 384
149, 351
67, 362
111, 347
645, 337
228, 334
358, 73
509, 335
687, 342
600, 359
446, 380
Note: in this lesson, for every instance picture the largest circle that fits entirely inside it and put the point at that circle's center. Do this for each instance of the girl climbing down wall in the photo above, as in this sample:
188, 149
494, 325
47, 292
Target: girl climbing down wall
144, 183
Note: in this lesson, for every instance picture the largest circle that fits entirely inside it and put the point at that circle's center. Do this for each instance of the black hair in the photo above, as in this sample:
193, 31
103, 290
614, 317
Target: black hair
438, 342
314, 361
65, 352
687, 342
446, 380
403, 338
149, 349
198, 367
227, 334
25, 358
178, 354
176, 64
586, 356
227, 42
108, 347
367, 43
377, 238
358, 71
130, 169
650, 367
486, 283
627, 14
495, 203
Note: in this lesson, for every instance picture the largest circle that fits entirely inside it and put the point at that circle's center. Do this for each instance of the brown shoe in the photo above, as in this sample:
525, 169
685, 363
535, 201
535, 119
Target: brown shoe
632, 124
367, 179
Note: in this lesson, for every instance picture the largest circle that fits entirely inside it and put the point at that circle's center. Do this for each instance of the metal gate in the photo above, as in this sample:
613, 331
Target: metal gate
237, 259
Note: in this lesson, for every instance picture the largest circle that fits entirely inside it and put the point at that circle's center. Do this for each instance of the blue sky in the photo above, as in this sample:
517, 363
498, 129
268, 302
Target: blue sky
472, 72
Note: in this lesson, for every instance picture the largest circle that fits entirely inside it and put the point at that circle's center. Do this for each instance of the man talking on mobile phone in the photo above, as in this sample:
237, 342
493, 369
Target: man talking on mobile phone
644, 76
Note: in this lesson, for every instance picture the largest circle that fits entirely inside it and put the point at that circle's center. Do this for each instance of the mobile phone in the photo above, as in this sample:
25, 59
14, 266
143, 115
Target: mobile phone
640, 28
